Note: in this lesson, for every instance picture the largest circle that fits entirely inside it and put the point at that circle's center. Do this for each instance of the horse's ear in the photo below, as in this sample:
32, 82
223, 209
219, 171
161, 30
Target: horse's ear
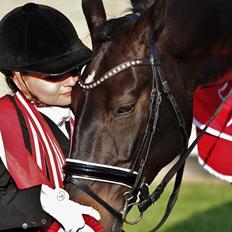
151, 22
95, 15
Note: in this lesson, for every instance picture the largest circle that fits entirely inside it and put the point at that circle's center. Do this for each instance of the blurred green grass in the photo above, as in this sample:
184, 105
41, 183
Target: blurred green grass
201, 207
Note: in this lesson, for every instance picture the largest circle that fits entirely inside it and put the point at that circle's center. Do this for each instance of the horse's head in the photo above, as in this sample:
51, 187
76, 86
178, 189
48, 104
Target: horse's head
111, 105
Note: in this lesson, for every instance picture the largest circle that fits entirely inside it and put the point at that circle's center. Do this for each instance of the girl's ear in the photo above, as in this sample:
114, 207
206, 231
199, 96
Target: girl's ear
95, 15
17, 78
148, 28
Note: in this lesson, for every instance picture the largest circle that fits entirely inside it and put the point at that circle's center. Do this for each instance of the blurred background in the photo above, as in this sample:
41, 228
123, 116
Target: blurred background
205, 203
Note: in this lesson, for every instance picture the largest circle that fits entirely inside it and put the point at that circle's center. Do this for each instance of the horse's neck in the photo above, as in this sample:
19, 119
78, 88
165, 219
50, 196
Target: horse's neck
197, 38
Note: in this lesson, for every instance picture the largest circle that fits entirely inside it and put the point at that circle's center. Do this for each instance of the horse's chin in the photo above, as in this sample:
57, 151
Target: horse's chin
111, 224
117, 227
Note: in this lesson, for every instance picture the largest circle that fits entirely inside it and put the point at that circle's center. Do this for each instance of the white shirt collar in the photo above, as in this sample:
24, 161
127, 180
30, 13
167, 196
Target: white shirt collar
58, 115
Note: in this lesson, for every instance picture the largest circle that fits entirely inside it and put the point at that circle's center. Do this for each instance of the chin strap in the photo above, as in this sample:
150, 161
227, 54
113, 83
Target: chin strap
33, 98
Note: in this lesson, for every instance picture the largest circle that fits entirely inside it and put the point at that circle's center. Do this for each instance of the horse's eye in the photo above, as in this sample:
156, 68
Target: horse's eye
125, 109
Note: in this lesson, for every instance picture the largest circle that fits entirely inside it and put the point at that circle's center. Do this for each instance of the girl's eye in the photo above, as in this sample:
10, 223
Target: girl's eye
74, 73
50, 78
55, 78
125, 109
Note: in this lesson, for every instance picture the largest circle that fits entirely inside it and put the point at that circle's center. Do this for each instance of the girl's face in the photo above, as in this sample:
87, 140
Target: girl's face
55, 91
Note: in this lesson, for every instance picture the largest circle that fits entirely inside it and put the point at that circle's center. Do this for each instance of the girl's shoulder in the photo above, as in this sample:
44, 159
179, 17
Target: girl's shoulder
6, 99
7, 103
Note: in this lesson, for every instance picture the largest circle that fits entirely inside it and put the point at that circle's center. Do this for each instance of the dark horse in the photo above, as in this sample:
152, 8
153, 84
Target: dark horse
129, 123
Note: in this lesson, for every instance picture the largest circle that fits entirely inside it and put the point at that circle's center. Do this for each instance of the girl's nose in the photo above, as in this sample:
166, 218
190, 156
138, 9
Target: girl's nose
71, 80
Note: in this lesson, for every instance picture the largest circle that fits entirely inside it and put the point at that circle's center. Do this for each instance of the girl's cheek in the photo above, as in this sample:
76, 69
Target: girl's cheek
47, 88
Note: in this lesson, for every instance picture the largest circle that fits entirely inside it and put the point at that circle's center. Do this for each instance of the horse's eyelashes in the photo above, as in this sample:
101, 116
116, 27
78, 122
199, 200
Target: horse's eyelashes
124, 109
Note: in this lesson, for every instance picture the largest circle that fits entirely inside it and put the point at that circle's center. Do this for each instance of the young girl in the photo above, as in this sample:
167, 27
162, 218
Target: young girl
40, 55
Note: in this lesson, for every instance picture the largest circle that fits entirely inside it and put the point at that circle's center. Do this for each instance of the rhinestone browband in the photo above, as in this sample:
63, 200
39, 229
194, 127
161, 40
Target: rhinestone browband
114, 71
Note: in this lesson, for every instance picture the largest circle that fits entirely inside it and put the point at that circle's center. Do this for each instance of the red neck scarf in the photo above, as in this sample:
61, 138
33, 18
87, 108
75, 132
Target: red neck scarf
44, 165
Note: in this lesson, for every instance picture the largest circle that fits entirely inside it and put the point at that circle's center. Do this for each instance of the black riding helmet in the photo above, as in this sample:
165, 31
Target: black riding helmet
39, 39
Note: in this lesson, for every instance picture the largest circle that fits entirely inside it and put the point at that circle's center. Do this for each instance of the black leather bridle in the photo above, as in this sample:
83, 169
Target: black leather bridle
138, 193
